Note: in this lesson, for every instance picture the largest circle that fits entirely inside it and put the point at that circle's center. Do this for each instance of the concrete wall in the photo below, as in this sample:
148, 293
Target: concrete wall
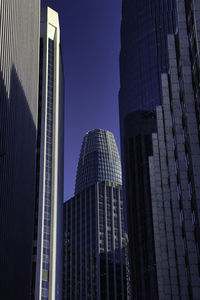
19, 64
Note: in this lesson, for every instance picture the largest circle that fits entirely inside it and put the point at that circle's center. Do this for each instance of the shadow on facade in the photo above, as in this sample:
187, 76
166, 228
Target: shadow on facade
113, 274
138, 129
17, 189
114, 264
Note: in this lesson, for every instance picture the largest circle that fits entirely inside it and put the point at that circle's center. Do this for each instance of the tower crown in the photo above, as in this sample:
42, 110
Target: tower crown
99, 160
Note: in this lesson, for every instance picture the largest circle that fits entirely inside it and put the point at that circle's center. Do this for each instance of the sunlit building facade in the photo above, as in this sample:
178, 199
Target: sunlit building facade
47, 248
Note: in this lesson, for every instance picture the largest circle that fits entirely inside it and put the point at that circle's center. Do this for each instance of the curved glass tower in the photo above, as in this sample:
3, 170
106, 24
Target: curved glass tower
99, 160
95, 243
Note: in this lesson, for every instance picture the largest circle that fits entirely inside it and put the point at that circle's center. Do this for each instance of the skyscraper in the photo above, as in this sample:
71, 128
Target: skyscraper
170, 267
94, 236
175, 164
47, 248
19, 74
144, 28
99, 160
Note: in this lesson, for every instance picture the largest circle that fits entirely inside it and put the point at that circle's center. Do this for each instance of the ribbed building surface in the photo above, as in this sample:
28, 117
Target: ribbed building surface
94, 244
163, 220
175, 164
48, 238
143, 57
19, 65
99, 160
95, 262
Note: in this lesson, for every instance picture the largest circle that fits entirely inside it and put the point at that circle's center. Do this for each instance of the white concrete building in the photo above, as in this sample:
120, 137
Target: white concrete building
47, 269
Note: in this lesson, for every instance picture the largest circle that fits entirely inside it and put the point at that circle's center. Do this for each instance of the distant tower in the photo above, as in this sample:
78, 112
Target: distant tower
94, 236
47, 259
99, 160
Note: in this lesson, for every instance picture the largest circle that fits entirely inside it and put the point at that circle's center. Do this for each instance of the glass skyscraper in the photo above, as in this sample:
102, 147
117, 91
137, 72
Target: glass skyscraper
99, 160
144, 28
143, 57
95, 261
161, 37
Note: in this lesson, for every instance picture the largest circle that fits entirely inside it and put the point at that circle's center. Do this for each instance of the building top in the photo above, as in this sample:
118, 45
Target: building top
99, 160
144, 55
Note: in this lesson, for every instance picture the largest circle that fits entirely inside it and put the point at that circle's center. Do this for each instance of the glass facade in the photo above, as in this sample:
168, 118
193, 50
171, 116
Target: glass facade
99, 160
48, 176
175, 169
94, 252
144, 56
144, 28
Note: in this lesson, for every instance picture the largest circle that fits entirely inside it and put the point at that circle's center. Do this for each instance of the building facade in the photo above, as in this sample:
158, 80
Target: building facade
94, 235
47, 248
164, 218
99, 160
19, 75
143, 57
175, 164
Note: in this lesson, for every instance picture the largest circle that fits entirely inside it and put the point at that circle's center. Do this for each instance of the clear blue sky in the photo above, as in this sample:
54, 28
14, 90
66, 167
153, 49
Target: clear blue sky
90, 35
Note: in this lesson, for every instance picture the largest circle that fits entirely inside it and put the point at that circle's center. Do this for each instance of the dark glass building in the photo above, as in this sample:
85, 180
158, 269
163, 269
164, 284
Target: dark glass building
144, 28
19, 75
162, 220
143, 57
95, 261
